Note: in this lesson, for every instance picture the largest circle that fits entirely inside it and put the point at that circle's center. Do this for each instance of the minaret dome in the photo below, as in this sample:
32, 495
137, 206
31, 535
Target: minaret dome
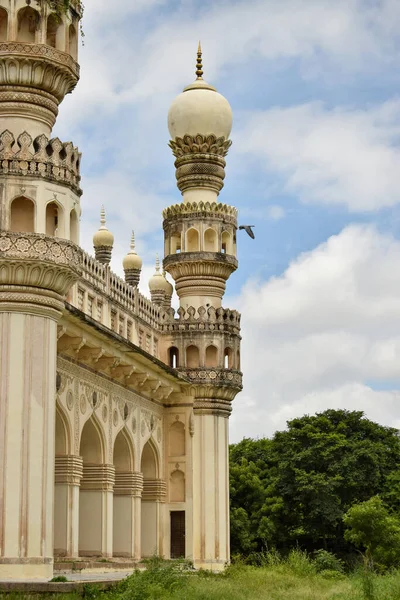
200, 109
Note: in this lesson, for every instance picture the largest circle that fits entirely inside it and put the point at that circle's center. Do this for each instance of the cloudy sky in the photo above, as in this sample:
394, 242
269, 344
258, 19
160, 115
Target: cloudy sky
315, 164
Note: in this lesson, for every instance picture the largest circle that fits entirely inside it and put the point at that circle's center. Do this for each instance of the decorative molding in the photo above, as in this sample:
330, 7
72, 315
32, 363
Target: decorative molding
128, 484
98, 477
200, 144
154, 490
201, 209
68, 470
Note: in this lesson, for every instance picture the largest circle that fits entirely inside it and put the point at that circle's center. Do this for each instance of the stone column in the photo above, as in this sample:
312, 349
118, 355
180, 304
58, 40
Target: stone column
68, 475
35, 274
127, 503
96, 510
210, 491
153, 504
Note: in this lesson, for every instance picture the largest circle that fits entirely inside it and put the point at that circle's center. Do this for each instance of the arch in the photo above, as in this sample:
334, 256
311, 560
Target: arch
73, 42
123, 457
177, 440
211, 356
92, 444
228, 358
54, 218
22, 215
210, 240
62, 440
226, 243
3, 25
74, 227
177, 490
175, 243
173, 357
192, 357
28, 22
53, 31
192, 240
238, 360
149, 461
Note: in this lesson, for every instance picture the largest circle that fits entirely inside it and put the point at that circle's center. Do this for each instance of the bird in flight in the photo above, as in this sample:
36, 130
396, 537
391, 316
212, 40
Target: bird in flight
248, 230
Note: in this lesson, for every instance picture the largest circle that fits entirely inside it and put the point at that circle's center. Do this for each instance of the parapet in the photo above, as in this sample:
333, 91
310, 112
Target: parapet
203, 319
201, 209
42, 157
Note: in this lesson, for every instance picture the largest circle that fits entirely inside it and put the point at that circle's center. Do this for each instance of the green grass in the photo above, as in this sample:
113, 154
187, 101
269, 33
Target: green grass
295, 578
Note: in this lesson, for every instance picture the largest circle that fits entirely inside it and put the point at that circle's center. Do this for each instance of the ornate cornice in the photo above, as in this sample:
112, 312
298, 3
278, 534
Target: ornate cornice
189, 211
40, 158
200, 144
202, 320
216, 378
37, 262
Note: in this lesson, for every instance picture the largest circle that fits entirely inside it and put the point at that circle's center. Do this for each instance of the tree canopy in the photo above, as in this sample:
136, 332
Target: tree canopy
296, 487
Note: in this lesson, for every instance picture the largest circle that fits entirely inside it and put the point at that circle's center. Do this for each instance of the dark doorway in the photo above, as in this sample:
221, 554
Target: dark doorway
178, 534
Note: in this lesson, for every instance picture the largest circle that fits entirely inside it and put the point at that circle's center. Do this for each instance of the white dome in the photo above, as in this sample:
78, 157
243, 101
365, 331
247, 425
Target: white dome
132, 260
200, 109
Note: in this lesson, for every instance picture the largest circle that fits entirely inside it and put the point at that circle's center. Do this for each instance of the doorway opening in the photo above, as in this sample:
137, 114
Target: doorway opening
178, 534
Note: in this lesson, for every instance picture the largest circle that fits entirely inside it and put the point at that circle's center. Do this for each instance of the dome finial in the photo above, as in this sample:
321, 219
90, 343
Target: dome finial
133, 242
102, 217
157, 263
199, 64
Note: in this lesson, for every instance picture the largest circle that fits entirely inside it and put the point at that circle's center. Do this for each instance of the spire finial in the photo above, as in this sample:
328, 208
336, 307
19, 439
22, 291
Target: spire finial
103, 217
157, 263
199, 64
133, 241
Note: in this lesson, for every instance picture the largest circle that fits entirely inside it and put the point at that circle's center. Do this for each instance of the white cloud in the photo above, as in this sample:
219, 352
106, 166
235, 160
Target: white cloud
275, 212
314, 337
339, 156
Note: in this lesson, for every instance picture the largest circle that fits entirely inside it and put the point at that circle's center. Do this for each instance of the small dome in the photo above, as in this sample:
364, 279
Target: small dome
103, 237
158, 283
200, 109
132, 260
169, 288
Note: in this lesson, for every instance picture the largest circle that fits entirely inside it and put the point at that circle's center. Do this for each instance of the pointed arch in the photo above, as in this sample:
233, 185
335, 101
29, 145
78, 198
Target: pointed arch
74, 227
149, 462
54, 219
63, 439
177, 442
28, 24
54, 26
175, 243
192, 357
211, 356
192, 240
210, 240
3, 25
228, 358
123, 453
226, 241
92, 445
177, 486
22, 215
73, 42
173, 357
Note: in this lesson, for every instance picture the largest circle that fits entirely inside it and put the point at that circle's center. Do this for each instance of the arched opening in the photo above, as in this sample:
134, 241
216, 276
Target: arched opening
211, 356
22, 215
28, 22
3, 25
192, 240
123, 506
227, 247
238, 360
192, 357
61, 436
173, 357
150, 508
53, 26
177, 487
73, 42
74, 227
52, 219
92, 493
175, 244
177, 439
228, 358
210, 240
65, 501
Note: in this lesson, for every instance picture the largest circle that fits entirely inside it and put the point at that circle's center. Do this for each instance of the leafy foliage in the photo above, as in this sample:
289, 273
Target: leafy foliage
296, 487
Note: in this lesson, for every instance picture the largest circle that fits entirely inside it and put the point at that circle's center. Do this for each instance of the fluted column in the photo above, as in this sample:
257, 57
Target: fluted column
96, 510
153, 504
127, 511
68, 475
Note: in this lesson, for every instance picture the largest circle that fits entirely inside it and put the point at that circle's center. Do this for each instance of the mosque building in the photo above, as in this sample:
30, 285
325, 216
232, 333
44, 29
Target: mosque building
113, 408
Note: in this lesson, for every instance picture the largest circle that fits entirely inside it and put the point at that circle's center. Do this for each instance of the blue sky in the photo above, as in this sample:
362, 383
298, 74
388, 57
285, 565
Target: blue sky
315, 163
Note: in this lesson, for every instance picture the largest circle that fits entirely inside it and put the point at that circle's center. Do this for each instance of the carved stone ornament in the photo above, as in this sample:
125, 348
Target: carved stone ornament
70, 400
200, 144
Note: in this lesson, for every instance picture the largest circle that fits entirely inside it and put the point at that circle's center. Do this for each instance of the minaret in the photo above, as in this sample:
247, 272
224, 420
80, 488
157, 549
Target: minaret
200, 254
160, 289
132, 265
39, 262
103, 241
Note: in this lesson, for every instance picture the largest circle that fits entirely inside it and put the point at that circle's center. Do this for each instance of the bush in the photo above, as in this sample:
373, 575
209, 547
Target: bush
326, 561
59, 579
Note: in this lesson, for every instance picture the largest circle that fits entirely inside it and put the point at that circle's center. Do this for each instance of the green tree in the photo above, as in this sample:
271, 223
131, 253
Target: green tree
297, 487
372, 528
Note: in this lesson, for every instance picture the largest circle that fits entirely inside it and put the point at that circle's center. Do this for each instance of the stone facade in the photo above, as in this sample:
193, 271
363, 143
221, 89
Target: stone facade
113, 408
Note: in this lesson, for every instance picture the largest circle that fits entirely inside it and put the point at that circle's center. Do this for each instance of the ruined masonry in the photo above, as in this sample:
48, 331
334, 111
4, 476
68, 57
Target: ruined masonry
113, 408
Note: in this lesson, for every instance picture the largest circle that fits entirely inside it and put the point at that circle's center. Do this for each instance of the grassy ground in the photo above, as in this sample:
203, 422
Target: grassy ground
293, 579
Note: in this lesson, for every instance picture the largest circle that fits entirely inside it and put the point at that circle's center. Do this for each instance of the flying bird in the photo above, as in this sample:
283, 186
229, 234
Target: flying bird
248, 230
